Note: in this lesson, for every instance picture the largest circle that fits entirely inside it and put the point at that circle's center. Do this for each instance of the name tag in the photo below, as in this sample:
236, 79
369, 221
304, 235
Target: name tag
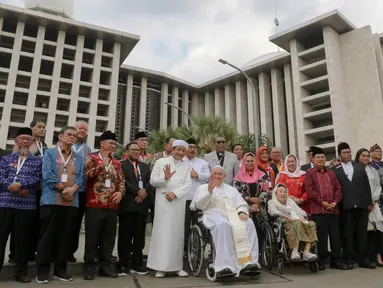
107, 183
64, 178
141, 184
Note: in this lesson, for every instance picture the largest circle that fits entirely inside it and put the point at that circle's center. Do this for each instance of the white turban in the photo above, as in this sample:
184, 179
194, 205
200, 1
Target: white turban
180, 143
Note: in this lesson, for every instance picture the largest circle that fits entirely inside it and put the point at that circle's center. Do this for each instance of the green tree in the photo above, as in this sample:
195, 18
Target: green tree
248, 142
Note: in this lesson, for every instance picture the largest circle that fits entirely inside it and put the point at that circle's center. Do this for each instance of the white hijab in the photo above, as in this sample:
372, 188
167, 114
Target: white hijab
290, 207
297, 173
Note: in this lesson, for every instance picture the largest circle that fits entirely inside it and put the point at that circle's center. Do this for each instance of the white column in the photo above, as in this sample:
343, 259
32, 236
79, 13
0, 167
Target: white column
175, 102
142, 114
11, 84
76, 80
241, 106
114, 86
230, 110
209, 102
35, 75
94, 94
265, 106
219, 103
195, 105
128, 109
164, 107
253, 102
55, 90
279, 112
185, 107
290, 107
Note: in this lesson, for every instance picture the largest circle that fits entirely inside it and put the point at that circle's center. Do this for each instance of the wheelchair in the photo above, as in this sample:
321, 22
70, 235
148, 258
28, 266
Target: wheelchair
201, 247
283, 252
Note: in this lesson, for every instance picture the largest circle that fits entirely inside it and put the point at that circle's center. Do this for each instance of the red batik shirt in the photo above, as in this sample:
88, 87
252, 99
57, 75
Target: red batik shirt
97, 195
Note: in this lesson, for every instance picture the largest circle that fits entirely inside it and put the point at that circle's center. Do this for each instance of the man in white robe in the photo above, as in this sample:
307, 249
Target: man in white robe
225, 214
171, 178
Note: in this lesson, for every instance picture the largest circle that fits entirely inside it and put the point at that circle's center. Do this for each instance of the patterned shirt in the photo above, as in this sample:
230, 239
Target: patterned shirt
322, 186
53, 169
29, 177
98, 195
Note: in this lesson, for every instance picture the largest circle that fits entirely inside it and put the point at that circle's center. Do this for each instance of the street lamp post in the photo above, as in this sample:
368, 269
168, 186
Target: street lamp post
224, 62
183, 111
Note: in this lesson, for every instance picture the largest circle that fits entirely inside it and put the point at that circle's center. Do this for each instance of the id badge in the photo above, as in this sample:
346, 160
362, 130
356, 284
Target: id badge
141, 184
64, 178
107, 183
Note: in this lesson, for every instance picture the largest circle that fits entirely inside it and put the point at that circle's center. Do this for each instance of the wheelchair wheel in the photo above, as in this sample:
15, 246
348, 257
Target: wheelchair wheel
210, 272
268, 247
195, 250
314, 267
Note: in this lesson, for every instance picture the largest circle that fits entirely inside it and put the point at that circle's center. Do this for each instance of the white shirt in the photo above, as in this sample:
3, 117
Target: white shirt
348, 169
202, 168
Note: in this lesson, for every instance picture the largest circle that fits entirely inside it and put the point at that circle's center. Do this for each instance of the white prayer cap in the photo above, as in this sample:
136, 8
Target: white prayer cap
180, 143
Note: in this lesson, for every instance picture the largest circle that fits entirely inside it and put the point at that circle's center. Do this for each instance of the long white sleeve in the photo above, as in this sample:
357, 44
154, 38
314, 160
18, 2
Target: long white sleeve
185, 188
241, 204
156, 178
202, 197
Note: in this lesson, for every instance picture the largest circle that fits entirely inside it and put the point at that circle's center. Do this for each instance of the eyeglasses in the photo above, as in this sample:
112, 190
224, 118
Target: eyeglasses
25, 139
70, 134
220, 142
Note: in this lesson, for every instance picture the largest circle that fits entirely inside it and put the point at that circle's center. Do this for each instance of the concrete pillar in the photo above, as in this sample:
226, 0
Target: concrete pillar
241, 107
11, 84
143, 97
175, 102
128, 109
290, 107
219, 103
164, 107
195, 105
209, 104
265, 106
230, 103
253, 102
279, 112
185, 107
114, 86
201, 105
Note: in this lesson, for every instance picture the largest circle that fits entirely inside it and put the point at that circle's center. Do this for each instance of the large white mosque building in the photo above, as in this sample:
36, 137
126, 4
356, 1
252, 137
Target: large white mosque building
326, 86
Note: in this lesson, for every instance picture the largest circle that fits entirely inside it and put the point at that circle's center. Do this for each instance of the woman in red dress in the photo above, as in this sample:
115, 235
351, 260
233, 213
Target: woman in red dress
293, 178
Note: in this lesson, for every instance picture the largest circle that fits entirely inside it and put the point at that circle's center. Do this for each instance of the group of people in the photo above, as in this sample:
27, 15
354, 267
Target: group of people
45, 193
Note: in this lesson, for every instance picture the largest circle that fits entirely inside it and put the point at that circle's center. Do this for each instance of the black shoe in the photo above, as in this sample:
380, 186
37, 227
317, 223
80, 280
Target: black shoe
72, 259
338, 266
107, 273
42, 279
23, 279
367, 265
123, 271
225, 273
380, 264
114, 259
350, 265
322, 266
139, 271
64, 277
89, 276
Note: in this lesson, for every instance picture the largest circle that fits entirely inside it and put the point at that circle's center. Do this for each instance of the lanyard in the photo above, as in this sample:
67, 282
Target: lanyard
143, 158
40, 147
106, 167
77, 150
136, 170
20, 165
63, 159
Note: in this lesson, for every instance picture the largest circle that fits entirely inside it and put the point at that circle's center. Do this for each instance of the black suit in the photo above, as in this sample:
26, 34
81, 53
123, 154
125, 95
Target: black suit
355, 203
306, 167
132, 215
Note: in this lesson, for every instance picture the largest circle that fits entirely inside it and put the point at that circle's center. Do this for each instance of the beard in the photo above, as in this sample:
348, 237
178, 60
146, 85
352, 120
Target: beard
23, 151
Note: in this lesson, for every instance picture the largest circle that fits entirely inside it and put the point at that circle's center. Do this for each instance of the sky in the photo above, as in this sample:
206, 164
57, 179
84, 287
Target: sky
185, 38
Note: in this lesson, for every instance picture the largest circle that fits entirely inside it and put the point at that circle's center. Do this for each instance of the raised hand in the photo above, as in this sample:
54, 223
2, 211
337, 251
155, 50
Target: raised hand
194, 174
167, 172
211, 185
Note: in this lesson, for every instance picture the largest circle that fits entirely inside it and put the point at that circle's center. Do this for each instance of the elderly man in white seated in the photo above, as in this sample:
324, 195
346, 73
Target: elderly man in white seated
226, 215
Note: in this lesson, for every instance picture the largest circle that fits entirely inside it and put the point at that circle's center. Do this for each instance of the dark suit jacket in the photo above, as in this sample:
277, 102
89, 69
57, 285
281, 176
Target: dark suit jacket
356, 192
128, 203
306, 167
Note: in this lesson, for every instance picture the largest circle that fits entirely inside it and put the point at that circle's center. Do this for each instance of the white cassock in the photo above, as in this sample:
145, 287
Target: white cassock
235, 240
167, 243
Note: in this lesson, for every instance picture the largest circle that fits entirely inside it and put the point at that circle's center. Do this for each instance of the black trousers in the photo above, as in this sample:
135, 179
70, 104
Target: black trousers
100, 236
20, 223
56, 224
34, 232
190, 220
78, 223
355, 219
328, 225
131, 235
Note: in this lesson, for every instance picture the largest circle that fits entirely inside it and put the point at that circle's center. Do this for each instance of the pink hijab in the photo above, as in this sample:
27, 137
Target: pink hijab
243, 176
297, 173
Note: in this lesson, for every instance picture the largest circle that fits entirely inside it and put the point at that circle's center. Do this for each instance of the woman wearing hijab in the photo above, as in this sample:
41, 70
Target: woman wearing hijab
249, 181
270, 169
375, 218
293, 178
293, 219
